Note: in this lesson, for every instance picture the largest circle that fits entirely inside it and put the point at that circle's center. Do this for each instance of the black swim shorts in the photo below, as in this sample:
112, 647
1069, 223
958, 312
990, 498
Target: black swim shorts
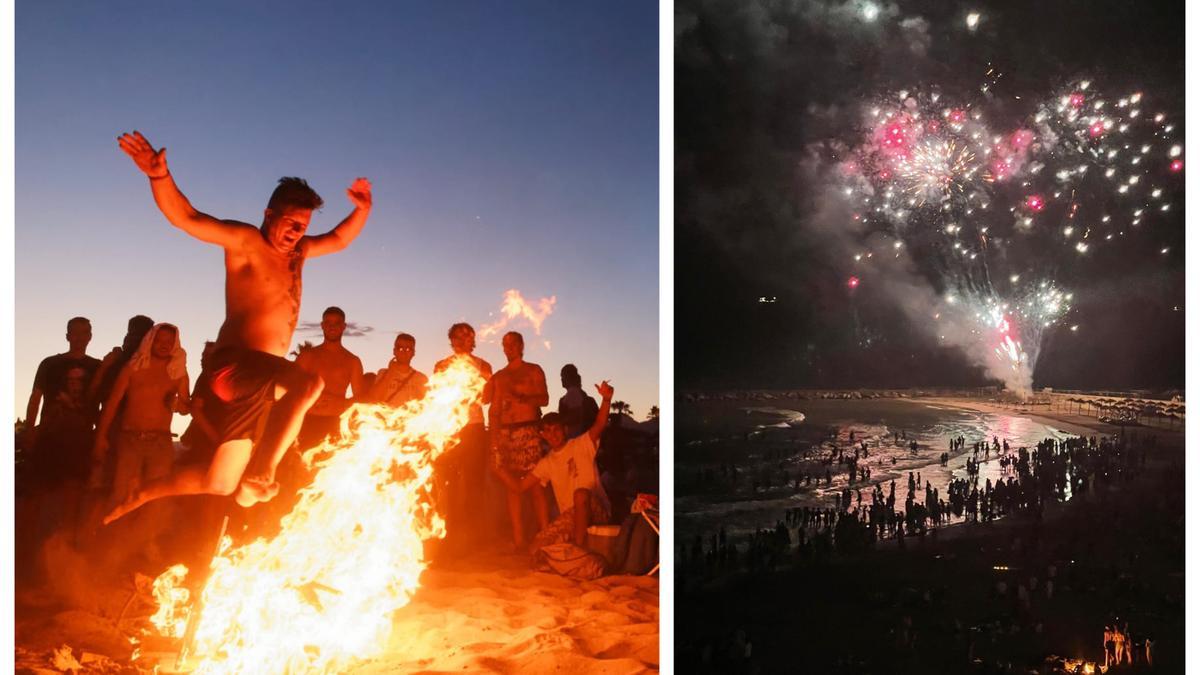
243, 386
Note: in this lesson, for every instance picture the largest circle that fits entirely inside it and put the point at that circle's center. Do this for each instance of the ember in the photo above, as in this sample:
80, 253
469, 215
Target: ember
514, 306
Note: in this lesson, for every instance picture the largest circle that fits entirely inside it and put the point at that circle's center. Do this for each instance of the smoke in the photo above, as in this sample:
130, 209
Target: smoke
951, 318
761, 86
796, 75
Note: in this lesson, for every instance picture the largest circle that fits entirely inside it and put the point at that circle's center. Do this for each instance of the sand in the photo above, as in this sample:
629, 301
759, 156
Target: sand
489, 614
496, 615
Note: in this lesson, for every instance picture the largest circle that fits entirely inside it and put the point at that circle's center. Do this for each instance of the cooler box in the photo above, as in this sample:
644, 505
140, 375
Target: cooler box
601, 538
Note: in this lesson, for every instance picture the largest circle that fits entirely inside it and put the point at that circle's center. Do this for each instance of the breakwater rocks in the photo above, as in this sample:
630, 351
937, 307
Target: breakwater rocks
831, 394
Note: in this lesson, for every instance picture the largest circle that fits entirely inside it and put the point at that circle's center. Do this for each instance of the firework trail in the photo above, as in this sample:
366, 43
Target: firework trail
998, 208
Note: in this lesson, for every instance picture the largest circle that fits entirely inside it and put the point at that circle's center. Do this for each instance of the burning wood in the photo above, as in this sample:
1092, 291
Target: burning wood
320, 595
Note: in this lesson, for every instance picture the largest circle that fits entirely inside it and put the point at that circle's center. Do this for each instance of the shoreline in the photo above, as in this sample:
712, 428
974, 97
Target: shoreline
1070, 423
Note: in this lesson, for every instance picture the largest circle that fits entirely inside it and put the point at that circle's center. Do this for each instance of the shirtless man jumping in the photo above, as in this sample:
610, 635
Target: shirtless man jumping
262, 302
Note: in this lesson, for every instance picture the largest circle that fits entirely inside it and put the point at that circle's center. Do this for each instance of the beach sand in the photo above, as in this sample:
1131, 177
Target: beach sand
487, 614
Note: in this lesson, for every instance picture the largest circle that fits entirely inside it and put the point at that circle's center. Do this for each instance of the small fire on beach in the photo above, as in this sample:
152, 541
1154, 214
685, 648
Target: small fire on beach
320, 595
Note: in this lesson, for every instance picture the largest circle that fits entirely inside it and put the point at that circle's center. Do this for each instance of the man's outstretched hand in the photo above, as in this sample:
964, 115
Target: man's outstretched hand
152, 162
359, 193
605, 389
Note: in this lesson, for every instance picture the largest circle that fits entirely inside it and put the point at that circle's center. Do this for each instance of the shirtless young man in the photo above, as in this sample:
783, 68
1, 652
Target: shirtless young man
517, 393
262, 302
111, 364
339, 369
149, 390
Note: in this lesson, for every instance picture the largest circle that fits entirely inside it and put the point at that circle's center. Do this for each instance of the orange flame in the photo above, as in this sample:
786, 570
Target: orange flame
513, 306
319, 596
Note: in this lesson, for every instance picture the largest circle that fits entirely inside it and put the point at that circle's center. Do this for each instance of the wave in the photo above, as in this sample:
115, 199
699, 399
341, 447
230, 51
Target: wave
792, 418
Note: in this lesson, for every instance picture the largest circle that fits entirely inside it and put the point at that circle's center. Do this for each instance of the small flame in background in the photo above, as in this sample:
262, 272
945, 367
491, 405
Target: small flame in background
319, 597
515, 306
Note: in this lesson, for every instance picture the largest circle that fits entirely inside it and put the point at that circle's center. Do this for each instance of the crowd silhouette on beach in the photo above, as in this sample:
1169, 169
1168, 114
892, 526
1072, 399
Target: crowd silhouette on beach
885, 517
1053, 471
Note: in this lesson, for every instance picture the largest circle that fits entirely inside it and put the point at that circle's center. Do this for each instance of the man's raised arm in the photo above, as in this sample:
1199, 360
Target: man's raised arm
340, 237
172, 203
606, 394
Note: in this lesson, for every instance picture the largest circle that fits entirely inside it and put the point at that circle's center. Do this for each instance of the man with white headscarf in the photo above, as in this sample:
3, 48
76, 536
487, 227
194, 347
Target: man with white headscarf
153, 386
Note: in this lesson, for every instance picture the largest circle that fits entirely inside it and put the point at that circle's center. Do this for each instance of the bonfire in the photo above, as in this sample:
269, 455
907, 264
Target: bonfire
319, 596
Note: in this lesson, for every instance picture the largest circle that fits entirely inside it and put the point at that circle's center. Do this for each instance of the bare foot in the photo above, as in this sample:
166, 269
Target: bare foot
252, 491
245, 496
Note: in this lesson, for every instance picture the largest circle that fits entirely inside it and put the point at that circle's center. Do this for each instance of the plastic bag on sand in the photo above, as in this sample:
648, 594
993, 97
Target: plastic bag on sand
570, 561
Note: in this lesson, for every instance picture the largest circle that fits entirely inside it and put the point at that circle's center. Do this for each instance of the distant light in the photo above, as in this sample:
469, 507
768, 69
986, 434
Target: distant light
1035, 203
852, 282
972, 21
1177, 165
1074, 328
870, 11
1175, 150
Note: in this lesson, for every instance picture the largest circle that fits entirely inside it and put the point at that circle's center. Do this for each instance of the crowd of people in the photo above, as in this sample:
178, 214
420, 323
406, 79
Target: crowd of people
97, 446
995, 621
1054, 470
105, 427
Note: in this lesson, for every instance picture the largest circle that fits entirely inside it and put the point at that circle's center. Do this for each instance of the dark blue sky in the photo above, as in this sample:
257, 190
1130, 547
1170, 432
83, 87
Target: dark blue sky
510, 146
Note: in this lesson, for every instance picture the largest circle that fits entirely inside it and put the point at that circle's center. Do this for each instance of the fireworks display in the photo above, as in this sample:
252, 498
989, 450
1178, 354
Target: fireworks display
1002, 201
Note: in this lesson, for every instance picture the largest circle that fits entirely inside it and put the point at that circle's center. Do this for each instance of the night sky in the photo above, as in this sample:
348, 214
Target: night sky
757, 84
